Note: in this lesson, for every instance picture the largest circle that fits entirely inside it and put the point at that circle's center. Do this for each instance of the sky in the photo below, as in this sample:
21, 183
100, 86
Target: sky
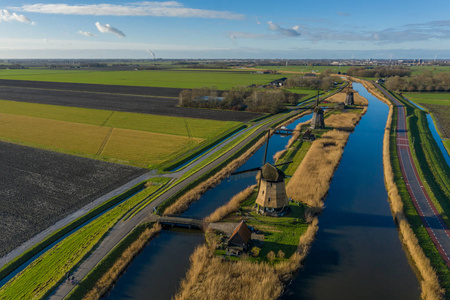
299, 29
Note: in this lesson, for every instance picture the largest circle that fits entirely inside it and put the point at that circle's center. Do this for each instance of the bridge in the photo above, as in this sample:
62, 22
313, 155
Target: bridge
180, 222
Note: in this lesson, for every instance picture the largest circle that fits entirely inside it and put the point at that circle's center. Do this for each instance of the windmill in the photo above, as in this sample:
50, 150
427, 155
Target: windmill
317, 120
272, 198
349, 99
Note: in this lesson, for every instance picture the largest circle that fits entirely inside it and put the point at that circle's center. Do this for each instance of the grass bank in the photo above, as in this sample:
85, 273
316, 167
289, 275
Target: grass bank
105, 274
42, 275
412, 233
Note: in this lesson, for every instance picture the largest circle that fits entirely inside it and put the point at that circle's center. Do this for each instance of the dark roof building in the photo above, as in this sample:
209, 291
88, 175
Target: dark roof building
240, 237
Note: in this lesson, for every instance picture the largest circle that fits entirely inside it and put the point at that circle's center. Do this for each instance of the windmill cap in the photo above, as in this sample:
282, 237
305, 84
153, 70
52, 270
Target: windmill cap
271, 173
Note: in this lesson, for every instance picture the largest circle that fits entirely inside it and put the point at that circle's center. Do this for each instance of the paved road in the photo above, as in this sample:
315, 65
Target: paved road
431, 219
123, 228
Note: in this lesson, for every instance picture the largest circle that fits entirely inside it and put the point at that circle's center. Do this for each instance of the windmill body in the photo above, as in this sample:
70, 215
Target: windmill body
272, 197
349, 99
317, 120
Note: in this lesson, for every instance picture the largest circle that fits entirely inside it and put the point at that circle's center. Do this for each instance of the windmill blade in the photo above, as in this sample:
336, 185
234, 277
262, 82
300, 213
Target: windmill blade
285, 163
267, 146
245, 171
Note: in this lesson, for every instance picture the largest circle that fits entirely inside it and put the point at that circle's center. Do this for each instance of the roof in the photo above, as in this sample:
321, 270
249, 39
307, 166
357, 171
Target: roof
318, 110
241, 235
270, 173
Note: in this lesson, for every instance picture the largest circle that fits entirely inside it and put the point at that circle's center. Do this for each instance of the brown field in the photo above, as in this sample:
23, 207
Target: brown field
430, 286
311, 180
340, 97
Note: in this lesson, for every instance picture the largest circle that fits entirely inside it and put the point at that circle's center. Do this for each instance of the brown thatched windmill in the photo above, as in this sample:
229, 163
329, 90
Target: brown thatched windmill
272, 198
349, 99
317, 120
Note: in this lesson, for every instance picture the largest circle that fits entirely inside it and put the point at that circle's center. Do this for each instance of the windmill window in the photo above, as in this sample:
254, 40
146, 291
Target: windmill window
269, 200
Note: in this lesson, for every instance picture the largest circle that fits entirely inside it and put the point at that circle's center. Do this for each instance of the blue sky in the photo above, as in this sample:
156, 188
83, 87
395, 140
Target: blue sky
225, 29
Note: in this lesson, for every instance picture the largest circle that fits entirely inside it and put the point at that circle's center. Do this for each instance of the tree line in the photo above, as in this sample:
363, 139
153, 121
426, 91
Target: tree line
322, 82
379, 71
239, 98
425, 82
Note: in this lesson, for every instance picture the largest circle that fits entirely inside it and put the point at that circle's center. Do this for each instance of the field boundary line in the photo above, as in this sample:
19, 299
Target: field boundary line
107, 119
105, 141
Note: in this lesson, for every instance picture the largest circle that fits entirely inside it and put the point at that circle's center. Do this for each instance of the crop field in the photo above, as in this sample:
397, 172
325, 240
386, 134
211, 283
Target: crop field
153, 78
434, 69
439, 105
114, 99
40, 187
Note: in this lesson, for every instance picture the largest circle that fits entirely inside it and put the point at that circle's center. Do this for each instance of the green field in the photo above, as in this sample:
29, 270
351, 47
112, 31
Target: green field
137, 139
152, 78
37, 280
429, 98
435, 69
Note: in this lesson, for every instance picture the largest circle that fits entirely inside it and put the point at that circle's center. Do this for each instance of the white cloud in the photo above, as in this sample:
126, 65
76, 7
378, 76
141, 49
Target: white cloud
145, 8
284, 31
343, 14
86, 33
9, 17
109, 29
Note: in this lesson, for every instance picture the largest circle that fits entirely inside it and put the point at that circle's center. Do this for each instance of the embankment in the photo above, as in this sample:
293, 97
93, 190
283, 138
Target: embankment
431, 288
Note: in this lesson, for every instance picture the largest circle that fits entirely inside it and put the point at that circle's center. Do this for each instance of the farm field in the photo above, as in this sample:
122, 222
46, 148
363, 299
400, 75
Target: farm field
153, 78
74, 95
52, 185
439, 106
136, 139
198, 128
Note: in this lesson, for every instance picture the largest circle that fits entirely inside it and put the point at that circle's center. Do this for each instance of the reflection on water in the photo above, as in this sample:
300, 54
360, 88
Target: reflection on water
357, 253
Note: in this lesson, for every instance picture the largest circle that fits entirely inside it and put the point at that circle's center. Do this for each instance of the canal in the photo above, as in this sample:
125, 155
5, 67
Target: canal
357, 253
156, 273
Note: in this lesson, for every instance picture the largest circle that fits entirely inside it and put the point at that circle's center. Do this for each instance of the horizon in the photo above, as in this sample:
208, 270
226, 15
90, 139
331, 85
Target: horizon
233, 30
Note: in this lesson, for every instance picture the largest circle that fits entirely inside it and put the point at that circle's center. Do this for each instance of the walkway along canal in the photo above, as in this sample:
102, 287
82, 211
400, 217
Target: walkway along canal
158, 270
357, 253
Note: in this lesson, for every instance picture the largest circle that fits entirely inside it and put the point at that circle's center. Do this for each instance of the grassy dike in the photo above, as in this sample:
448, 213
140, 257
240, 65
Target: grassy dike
38, 279
258, 276
414, 237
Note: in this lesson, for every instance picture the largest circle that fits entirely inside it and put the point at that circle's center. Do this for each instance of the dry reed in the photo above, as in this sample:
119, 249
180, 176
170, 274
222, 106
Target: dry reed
344, 121
340, 97
194, 194
231, 206
104, 283
430, 286
211, 277
310, 182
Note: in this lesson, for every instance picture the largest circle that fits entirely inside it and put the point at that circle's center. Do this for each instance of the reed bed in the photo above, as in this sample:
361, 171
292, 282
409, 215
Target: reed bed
231, 206
105, 282
311, 181
340, 97
430, 286
344, 121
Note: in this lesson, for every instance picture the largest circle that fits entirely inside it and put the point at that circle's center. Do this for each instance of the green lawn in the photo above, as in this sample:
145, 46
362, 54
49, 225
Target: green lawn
151, 78
435, 69
280, 233
37, 280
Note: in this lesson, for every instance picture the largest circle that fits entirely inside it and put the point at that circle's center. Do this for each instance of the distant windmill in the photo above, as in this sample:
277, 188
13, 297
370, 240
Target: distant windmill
272, 198
317, 120
349, 99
